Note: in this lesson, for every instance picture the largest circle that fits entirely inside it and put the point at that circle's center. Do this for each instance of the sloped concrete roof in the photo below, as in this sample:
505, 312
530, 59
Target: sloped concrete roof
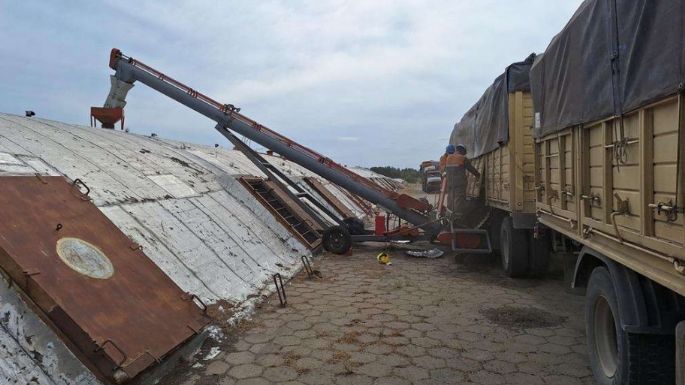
180, 201
193, 219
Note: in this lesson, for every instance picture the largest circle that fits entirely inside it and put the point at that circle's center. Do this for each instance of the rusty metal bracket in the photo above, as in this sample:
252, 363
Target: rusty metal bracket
670, 209
78, 182
157, 360
307, 267
568, 193
230, 108
679, 266
623, 205
28, 275
109, 341
553, 194
280, 289
40, 178
587, 232
194, 297
5, 275
311, 273
595, 199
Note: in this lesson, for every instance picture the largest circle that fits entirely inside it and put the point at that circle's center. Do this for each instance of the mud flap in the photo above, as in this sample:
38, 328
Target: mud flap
472, 241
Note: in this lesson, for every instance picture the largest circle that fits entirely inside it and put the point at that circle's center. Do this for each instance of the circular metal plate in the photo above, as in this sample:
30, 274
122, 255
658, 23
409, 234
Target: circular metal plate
84, 258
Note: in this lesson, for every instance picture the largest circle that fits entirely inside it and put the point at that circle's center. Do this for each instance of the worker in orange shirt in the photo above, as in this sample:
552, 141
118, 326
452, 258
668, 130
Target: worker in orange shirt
456, 165
443, 159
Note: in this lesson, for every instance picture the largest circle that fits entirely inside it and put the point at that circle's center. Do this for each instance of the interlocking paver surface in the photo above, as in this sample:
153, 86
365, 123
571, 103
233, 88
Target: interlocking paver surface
417, 321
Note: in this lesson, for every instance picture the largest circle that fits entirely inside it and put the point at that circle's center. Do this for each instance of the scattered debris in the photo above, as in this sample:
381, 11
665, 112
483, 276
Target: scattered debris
213, 352
221, 313
430, 254
383, 258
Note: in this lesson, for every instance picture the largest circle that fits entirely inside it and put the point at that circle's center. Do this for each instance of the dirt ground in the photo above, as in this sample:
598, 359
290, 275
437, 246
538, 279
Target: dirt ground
417, 321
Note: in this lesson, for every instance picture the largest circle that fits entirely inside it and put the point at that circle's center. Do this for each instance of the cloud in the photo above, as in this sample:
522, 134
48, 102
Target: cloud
395, 74
347, 138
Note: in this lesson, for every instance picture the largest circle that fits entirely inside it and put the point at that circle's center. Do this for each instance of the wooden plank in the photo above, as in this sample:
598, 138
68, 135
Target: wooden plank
517, 158
665, 146
666, 117
668, 231
680, 172
562, 171
331, 199
538, 175
607, 172
596, 155
646, 171
665, 178
547, 172
626, 177
585, 156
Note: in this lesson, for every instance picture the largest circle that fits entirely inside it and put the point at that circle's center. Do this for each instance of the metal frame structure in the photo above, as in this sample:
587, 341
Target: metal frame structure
228, 117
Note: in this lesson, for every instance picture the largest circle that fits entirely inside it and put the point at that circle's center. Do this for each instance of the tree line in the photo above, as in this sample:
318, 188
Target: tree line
408, 174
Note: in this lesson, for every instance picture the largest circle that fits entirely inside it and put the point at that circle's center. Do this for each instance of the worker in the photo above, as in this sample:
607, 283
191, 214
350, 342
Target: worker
456, 165
443, 159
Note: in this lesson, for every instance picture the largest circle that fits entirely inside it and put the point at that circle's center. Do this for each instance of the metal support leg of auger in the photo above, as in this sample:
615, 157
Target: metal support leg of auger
276, 176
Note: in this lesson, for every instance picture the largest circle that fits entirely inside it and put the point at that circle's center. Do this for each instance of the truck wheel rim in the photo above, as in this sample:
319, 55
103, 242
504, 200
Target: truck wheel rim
605, 337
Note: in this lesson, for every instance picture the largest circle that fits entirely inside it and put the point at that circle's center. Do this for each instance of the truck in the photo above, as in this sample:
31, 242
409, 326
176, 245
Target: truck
608, 183
497, 132
431, 180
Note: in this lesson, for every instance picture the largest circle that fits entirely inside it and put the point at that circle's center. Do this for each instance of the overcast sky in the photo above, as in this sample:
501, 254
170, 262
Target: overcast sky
365, 82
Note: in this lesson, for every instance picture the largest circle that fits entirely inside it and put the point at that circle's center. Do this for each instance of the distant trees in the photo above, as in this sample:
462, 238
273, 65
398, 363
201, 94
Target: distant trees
408, 174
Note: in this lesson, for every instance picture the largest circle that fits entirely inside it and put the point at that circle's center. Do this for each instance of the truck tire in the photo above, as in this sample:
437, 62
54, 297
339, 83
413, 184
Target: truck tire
539, 253
495, 230
513, 249
337, 240
616, 356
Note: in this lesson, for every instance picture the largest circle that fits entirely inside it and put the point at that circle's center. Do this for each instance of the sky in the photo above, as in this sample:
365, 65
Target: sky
367, 83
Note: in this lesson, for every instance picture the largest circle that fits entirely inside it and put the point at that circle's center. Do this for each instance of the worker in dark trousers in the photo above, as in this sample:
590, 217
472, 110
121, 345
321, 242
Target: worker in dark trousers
456, 165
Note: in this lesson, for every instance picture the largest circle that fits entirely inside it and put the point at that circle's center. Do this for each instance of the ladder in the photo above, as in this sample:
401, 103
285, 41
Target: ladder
284, 212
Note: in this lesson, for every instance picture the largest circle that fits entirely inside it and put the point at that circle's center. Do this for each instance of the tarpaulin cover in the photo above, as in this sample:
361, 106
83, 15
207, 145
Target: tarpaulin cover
485, 126
612, 57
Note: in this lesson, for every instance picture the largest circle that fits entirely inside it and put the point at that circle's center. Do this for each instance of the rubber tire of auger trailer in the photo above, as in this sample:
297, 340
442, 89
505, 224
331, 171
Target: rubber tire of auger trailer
634, 359
513, 249
337, 240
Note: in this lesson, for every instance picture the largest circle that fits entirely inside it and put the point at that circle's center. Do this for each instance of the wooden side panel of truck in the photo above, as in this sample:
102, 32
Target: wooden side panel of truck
508, 172
617, 186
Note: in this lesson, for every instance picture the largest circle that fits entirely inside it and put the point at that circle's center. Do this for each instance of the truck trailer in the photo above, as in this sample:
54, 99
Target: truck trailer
498, 135
608, 153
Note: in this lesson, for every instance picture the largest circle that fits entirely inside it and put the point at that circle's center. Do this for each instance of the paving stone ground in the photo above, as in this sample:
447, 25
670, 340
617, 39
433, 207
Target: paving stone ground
417, 321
